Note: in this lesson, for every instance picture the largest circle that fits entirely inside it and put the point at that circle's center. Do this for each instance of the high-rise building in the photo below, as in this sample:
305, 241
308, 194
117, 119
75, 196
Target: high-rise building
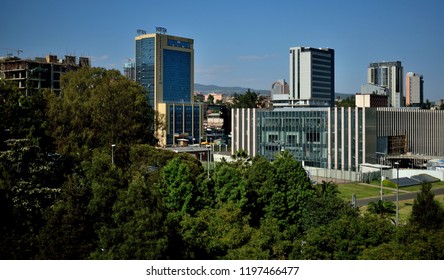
388, 75
280, 93
39, 73
280, 87
312, 77
129, 70
414, 93
334, 142
165, 67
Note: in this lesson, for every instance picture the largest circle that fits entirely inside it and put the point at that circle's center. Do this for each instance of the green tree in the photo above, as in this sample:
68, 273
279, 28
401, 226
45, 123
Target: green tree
258, 179
229, 185
68, 233
345, 238
409, 243
325, 207
138, 230
30, 182
106, 181
287, 193
426, 212
347, 102
384, 209
214, 233
267, 242
180, 185
247, 100
210, 99
23, 116
98, 108
225, 112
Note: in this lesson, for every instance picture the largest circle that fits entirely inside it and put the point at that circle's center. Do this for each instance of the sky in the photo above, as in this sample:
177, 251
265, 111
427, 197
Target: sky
239, 42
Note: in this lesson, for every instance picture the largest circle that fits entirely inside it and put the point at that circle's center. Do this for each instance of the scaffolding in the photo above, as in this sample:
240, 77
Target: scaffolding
397, 145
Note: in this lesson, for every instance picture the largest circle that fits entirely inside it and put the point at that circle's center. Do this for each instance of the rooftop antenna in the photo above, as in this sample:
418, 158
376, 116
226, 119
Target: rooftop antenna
161, 30
140, 32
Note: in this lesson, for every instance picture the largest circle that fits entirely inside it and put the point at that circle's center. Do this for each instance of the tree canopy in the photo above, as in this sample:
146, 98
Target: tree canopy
247, 100
63, 197
97, 108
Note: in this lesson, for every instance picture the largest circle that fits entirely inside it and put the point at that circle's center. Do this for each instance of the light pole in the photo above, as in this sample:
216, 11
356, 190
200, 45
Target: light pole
397, 193
112, 153
208, 159
380, 165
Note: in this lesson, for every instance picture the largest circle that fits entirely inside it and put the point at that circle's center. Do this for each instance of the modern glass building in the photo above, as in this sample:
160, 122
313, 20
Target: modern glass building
183, 121
164, 66
327, 138
390, 76
414, 90
312, 77
336, 141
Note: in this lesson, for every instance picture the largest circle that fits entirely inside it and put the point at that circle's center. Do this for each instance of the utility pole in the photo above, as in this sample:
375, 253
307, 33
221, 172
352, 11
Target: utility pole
397, 193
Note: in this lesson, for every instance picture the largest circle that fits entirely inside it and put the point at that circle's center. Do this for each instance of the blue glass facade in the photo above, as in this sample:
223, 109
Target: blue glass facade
179, 44
145, 58
164, 67
184, 122
303, 133
326, 138
176, 76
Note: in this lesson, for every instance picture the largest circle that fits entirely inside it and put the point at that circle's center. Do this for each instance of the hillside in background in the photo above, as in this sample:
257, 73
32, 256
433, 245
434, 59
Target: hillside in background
241, 90
227, 90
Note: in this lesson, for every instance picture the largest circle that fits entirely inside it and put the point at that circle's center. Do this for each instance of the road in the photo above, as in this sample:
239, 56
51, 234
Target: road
391, 197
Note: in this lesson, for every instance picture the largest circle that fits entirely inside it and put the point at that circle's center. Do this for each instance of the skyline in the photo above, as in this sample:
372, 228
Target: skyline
236, 43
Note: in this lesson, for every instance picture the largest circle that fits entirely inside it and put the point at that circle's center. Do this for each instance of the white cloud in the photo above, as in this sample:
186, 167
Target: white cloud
255, 57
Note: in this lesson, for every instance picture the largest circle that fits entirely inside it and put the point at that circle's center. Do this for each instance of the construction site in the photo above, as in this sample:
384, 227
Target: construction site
38, 73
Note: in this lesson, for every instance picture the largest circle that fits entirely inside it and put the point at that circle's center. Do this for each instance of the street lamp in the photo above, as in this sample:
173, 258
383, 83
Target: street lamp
112, 153
380, 165
397, 193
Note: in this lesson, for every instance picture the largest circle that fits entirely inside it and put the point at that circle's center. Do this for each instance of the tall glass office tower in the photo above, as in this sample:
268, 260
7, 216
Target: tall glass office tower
165, 67
312, 77
388, 75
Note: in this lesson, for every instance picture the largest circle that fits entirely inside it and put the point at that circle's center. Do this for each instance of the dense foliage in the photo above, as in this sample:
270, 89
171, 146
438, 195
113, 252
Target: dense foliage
61, 197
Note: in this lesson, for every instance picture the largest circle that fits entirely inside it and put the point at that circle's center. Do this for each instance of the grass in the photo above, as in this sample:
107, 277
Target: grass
405, 208
365, 191
361, 191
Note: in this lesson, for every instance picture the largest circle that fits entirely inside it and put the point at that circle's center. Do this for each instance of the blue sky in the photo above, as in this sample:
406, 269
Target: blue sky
239, 43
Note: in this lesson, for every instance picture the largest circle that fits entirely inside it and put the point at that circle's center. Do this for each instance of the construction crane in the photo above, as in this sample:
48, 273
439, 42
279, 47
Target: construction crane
16, 50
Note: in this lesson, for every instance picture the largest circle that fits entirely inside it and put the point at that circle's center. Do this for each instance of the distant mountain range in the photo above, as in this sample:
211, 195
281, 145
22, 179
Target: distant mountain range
241, 90
227, 90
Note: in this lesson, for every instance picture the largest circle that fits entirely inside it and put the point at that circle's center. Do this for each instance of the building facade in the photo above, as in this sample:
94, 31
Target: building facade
336, 141
312, 77
390, 76
410, 131
129, 70
182, 121
414, 90
371, 100
39, 73
331, 139
164, 66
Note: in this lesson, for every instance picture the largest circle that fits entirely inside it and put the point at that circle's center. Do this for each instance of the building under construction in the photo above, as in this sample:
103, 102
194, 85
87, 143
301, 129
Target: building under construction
38, 73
